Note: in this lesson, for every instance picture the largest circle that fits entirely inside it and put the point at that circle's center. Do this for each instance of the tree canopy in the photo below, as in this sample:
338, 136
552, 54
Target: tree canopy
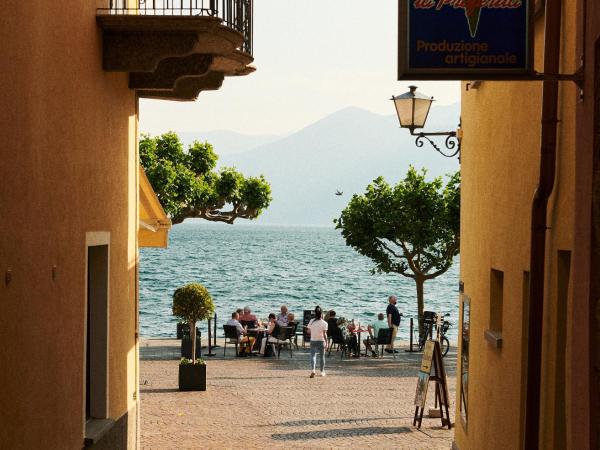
412, 229
187, 185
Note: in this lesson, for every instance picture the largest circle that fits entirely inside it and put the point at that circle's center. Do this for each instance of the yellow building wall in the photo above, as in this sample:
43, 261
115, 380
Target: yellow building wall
69, 166
500, 168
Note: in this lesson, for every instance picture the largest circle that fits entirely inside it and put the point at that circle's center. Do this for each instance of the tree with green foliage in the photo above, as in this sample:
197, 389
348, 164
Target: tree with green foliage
188, 187
192, 303
412, 229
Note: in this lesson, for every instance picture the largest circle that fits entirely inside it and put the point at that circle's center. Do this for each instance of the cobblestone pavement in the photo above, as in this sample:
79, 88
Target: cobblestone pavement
272, 403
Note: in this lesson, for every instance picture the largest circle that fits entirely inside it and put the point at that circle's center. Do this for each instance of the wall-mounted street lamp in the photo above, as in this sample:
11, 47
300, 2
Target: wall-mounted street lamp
413, 108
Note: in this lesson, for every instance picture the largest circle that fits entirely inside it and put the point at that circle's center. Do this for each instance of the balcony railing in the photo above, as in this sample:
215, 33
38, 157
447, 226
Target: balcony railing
235, 14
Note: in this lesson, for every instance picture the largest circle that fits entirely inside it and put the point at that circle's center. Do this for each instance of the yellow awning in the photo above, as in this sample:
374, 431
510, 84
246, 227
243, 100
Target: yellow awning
154, 225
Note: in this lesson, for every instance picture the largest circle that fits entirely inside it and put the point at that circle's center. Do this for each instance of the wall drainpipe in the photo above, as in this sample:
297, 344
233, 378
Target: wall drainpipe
552, 37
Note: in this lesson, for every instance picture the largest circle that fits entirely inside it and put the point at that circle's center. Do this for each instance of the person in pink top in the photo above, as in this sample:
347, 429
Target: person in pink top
317, 328
247, 316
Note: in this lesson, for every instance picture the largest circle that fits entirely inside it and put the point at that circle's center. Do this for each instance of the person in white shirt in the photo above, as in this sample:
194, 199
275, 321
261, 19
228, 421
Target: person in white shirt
246, 342
282, 318
269, 338
317, 328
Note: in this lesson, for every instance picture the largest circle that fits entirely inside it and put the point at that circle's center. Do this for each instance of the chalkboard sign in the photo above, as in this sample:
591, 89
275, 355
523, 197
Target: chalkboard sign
432, 369
306, 318
427, 357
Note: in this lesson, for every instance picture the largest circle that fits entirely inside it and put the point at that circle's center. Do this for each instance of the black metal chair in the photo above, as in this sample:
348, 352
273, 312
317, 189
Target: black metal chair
284, 337
248, 323
231, 337
294, 335
384, 338
337, 337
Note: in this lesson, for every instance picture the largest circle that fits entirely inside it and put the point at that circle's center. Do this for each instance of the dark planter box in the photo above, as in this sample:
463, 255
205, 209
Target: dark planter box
192, 378
184, 329
186, 346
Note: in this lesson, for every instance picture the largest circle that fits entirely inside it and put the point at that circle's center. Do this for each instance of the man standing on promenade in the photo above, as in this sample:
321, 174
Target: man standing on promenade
393, 318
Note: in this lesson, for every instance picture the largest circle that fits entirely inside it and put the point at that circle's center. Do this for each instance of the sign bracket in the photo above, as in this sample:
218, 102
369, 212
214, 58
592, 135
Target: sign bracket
577, 77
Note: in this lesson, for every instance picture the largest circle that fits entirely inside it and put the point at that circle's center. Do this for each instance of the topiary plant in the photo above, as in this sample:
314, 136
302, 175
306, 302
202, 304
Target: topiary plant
192, 303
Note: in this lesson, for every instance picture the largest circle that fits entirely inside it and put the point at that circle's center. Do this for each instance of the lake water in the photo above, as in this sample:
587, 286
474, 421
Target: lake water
266, 266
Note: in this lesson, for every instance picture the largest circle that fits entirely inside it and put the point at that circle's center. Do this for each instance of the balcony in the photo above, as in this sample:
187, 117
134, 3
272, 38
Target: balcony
175, 49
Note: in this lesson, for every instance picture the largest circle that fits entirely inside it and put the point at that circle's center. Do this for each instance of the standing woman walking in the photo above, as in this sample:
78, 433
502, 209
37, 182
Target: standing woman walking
317, 328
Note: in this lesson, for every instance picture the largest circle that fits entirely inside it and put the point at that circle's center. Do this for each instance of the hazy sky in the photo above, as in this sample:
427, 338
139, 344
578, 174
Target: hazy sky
313, 57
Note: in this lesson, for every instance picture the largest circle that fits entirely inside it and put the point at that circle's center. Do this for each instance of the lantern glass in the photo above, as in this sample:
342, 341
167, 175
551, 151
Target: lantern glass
404, 108
412, 108
421, 111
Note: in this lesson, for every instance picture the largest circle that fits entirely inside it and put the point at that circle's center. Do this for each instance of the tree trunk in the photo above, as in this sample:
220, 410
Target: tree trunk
420, 281
193, 337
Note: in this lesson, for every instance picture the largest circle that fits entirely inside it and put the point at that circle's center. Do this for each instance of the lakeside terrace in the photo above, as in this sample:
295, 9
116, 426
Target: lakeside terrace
270, 402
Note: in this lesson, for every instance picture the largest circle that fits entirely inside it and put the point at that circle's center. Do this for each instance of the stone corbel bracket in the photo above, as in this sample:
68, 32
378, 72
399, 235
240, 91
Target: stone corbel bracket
138, 43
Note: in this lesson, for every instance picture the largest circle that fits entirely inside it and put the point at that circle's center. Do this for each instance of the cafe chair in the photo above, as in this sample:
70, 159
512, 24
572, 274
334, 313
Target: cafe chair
337, 337
294, 335
231, 337
249, 324
281, 337
384, 338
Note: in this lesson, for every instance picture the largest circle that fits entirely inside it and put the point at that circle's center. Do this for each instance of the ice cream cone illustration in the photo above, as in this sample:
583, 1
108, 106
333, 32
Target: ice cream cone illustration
473, 11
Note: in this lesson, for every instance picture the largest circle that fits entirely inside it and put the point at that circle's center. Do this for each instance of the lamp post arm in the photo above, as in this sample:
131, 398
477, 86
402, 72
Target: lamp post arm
452, 142
437, 133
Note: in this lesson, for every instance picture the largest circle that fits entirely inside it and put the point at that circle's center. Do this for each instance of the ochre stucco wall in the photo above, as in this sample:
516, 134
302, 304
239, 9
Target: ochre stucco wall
69, 166
500, 167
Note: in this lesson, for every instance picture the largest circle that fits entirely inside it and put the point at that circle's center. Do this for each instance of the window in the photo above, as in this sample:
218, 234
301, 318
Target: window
96, 354
494, 333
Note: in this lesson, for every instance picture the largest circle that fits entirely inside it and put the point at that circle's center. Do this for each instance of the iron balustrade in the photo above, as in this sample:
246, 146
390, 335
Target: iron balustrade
235, 14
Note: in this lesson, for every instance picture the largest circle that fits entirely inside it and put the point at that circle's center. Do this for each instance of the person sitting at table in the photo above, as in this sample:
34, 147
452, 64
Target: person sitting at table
247, 316
352, 340
291, 318
271, 331
373, 332
282, 317
246, 342
332, 322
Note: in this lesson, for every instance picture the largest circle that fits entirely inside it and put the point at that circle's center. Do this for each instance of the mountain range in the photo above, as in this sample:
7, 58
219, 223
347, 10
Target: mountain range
344, 151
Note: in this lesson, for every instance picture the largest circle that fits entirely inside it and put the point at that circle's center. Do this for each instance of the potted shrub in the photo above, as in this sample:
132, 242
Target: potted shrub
192, 303
192, 375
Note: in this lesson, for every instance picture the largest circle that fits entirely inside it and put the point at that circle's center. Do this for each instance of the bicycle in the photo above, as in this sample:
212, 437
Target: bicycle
444, 342
430, 319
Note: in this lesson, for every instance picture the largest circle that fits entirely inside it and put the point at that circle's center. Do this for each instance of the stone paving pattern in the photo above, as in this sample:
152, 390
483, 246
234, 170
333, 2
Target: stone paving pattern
272, 403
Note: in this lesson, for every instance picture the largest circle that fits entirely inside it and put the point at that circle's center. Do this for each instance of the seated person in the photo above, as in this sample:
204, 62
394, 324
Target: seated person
374, 331
246, 342
247, 316
272, 330
291, 319
352, 340
282, 317
332, 322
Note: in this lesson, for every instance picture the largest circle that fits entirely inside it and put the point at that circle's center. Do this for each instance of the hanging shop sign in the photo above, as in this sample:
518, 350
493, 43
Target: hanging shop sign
465, 39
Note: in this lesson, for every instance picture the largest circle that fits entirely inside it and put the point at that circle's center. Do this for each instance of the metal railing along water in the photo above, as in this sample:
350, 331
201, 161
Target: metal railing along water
235, 14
